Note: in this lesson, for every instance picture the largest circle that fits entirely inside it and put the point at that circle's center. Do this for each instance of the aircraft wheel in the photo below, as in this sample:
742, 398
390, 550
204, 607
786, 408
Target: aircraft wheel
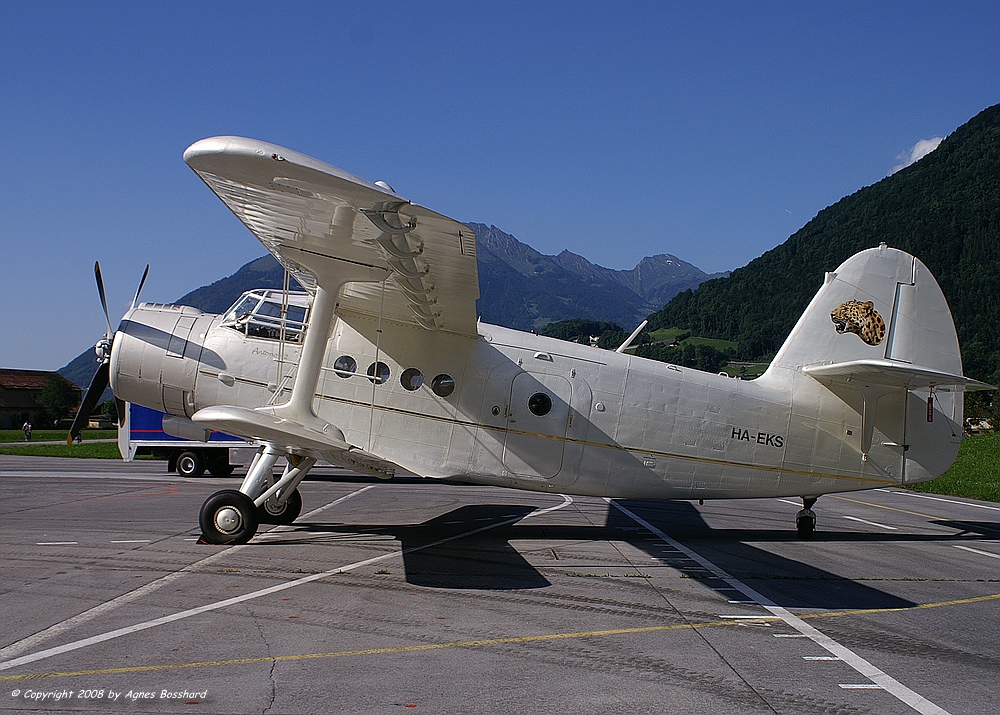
190, 464
271, 512
805, 523
228, 517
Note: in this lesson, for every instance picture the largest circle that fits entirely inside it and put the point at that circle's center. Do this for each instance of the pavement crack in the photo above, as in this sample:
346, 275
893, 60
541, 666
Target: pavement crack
272, 696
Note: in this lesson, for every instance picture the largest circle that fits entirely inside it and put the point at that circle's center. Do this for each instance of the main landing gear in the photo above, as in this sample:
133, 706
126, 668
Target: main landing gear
232, 516
805, 520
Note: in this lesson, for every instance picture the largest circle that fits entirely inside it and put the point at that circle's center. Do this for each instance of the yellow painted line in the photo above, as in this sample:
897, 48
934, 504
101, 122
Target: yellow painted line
889, 508
479, 643
939, 604
974, 527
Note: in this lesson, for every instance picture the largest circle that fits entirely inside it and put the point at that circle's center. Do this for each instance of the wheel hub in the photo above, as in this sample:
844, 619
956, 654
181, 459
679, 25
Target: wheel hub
228, 520
274, 508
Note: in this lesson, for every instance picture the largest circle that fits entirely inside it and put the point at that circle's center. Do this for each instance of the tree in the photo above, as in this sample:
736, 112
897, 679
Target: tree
57, 397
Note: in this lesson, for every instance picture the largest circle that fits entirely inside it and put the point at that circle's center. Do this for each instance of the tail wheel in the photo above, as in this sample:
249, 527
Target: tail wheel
270, 512
228, 517
805, 523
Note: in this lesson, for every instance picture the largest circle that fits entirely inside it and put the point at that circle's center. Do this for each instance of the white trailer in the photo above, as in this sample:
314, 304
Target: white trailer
142, 432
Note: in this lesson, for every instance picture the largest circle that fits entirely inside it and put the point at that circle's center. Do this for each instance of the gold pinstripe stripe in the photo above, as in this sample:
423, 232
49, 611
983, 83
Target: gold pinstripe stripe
587, 443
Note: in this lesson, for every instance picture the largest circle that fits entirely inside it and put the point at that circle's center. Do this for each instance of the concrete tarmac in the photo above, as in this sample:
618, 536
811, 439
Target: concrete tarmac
414, 596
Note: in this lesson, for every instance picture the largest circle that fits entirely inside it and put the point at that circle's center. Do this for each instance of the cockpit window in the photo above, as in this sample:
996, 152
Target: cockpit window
269, 314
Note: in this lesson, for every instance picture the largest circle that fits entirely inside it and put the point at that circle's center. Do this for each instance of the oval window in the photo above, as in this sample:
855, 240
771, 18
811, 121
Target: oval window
443, 385
378, 372
540, 404
345, 366
411, 378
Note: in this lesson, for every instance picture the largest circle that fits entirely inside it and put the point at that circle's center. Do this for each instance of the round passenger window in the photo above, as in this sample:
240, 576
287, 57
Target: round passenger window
378, 372
540, 404
411, 378
345, 366
443, 385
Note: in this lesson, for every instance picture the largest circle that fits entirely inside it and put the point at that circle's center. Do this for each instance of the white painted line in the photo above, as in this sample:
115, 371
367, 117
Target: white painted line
820, 657
173, 617
57, 543
789, 501
33, 641
977, 551
748, 618
789, 635
949, 501
130, 541
870, 523
889, 684
860, 686
743, 601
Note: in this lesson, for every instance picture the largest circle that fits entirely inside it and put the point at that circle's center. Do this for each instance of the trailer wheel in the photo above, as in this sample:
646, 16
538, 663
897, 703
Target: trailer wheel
221, 469
218, 464
190, 464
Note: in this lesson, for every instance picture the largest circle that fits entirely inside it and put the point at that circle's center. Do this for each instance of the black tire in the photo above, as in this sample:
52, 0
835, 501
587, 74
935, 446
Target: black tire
190, 464
288, 513
805, 524
228, 517
218, 464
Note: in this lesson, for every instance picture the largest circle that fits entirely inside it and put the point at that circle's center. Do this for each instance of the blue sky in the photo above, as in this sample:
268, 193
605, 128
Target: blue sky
711, 131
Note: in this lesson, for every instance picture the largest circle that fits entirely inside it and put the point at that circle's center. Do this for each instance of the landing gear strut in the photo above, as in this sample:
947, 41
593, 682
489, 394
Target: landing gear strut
805, 520
232, 517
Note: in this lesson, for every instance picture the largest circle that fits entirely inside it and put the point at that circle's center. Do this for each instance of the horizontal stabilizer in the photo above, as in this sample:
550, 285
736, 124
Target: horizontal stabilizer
887, 373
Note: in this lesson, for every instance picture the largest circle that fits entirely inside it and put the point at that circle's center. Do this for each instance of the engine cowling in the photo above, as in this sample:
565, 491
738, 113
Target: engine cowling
156, 355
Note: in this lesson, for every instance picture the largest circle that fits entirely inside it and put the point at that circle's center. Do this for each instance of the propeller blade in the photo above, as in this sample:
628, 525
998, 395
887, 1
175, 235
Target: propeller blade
104, 301
138, 290
94, 393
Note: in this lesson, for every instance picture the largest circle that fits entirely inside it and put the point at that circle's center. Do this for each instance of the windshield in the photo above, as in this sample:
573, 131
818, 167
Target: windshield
270, 315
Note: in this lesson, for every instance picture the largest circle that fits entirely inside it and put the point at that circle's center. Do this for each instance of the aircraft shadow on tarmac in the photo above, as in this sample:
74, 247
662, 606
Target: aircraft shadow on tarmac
987, 529
486, 560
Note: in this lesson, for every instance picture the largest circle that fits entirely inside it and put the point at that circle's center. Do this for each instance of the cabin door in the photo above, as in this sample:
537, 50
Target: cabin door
537, 419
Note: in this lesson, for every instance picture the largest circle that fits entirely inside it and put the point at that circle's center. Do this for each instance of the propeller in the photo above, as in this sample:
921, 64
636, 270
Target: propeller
103, 349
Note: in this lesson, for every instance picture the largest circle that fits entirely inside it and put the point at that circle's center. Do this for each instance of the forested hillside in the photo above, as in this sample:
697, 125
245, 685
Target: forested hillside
944, 209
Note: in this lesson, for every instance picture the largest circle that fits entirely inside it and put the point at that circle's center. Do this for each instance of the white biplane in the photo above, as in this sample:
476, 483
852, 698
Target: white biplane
382, 364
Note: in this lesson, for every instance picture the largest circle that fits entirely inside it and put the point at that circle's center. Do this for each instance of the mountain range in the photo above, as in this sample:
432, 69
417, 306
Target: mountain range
944, 209
519, 288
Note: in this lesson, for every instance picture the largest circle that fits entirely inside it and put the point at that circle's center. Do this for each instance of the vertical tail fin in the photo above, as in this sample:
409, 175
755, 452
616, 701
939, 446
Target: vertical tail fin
879, 335
880, 304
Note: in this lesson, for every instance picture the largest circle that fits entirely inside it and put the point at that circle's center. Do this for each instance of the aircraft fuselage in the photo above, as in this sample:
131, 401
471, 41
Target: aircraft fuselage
519, 410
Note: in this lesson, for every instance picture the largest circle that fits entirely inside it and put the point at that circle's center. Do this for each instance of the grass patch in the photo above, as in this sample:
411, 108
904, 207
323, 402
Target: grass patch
720, 345
747, 370
667, 333
50, 435
87, 450
975, 473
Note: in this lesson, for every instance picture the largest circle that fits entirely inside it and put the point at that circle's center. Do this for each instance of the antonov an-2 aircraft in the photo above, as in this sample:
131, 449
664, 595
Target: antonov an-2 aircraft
382, 364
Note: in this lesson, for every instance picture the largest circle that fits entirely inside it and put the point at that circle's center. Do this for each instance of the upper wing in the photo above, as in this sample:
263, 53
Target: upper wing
406, 262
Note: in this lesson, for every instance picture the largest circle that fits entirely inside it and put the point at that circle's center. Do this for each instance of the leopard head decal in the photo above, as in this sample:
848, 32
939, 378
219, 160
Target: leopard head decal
861, 319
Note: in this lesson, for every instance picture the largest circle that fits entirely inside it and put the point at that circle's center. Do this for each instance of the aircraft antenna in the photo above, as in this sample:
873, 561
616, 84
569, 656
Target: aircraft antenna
633, 336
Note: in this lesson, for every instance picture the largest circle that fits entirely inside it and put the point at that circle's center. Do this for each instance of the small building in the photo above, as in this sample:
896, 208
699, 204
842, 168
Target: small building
19, 391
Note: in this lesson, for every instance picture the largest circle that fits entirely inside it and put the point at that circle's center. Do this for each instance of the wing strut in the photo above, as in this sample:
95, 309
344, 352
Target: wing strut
300, 404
